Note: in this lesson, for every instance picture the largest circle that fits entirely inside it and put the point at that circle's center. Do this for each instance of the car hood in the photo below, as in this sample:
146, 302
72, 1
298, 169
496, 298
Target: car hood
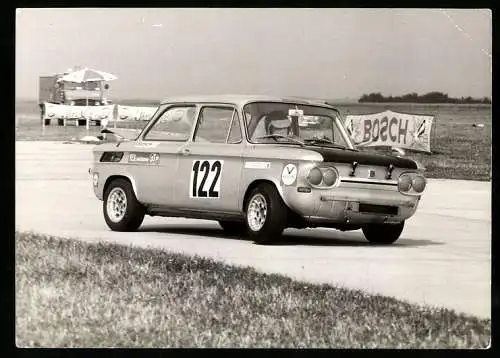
347, 156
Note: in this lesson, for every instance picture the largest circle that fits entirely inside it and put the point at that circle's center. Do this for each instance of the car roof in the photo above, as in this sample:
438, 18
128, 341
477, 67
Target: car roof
240, 99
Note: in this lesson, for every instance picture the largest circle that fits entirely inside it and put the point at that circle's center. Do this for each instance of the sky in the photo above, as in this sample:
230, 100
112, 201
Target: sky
316, 53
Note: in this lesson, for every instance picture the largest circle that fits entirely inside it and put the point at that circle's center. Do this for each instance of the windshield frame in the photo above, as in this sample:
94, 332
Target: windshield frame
336, 120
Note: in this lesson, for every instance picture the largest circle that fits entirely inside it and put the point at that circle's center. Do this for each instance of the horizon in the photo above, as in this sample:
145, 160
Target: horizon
316, 53
335, 100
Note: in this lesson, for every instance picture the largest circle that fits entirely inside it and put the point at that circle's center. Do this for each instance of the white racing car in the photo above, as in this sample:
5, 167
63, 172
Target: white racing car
257, 165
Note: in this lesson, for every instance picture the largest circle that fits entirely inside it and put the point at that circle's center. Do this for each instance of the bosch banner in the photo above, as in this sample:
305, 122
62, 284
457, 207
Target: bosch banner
400, 130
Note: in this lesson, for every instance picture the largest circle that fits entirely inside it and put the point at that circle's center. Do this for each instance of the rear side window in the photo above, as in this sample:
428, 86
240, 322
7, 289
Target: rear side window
218, 125
175, 124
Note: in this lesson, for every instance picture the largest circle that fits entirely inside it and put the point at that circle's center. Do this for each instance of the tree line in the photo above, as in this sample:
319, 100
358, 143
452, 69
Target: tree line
431, 97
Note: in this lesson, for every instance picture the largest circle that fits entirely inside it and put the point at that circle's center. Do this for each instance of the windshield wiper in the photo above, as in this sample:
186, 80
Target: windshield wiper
276, 136
317, 140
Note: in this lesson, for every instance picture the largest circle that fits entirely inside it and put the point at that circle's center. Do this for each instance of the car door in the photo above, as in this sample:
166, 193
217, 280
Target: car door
210, 165
153, 158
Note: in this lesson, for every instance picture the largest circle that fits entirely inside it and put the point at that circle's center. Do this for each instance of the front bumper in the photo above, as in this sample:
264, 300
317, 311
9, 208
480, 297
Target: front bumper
345, 204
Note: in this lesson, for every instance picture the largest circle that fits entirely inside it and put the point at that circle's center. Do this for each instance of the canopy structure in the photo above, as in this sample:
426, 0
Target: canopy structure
88, 78
87, 75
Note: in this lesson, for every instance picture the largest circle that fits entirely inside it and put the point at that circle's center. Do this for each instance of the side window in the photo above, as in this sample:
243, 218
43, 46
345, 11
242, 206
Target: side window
235, 132
174, 124
214, 125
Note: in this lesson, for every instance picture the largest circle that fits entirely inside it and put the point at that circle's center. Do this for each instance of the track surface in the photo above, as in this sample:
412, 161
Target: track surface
443, 257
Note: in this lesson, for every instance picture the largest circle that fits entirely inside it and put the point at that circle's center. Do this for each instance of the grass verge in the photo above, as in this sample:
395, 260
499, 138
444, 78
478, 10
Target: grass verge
75, 294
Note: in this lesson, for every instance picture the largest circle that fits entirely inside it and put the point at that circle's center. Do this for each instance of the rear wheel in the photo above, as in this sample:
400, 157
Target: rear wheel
233, 227
265, 214
383, 233
122, 211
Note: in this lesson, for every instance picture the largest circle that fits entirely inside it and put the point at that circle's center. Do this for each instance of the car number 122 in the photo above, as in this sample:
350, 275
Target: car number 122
205, 179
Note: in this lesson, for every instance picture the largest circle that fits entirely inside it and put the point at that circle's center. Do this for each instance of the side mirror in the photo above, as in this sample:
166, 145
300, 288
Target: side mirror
398, 152
106, 86
115, 136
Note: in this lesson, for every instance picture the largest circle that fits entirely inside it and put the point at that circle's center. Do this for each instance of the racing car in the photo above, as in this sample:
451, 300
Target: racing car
257, 165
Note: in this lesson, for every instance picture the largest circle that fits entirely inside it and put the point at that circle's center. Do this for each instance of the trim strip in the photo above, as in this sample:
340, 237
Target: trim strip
369, 181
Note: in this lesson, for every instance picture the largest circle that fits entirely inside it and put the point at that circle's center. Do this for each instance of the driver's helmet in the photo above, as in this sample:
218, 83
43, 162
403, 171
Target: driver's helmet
276, 116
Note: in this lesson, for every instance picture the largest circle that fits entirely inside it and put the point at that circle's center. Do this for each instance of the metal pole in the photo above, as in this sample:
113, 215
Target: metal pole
43, 120
86, 114
86, 107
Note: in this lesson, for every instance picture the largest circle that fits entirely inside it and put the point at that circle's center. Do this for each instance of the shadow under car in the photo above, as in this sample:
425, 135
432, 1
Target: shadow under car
294, 237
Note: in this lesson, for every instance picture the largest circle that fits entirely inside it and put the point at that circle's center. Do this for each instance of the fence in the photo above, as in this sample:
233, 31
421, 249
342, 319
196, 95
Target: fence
96, 115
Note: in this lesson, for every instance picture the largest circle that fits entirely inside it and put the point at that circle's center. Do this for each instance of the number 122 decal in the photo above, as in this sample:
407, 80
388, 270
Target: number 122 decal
205, 179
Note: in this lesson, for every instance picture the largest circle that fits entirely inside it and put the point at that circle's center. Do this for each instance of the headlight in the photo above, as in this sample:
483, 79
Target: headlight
404, 182
315, 176
419, 183
95, 179
330, 177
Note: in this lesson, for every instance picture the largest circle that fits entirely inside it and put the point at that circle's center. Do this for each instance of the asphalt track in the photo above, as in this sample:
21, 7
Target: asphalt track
443, 257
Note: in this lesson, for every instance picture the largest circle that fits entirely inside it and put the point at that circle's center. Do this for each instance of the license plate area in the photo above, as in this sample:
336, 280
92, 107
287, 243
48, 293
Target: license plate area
377, 209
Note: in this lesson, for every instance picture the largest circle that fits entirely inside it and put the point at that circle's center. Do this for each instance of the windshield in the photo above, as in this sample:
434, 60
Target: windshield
271, 122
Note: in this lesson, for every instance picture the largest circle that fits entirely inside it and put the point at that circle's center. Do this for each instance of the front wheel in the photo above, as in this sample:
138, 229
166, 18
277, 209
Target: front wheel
122, 211
265, 213
383, 233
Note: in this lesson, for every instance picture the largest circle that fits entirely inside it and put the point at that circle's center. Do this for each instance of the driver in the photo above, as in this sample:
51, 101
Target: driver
277, 116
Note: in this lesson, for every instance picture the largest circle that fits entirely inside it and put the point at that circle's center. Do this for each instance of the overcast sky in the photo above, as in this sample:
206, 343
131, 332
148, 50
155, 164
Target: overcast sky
324, 53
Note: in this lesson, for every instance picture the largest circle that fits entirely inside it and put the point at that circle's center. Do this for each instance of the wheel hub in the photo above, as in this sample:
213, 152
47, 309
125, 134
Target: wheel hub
257, 212
116, 205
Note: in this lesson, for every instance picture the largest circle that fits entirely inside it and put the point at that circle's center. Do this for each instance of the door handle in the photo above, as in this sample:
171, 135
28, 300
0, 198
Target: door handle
185, 151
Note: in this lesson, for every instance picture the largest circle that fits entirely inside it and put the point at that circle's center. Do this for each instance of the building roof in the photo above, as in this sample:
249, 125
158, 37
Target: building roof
239, 99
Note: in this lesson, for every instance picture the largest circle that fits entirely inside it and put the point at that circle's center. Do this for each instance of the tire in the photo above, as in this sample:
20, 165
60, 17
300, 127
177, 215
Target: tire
46, 121
132, 213
234, 228
271, 225
383, 234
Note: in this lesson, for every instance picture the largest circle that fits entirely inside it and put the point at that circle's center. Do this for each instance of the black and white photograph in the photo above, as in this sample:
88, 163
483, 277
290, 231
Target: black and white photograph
253, 178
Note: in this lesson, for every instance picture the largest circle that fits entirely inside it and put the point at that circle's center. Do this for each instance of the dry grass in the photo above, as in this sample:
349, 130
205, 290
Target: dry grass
74, 294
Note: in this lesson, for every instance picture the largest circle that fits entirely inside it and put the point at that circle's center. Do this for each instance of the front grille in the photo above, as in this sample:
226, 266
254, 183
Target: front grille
378, 209
369, 181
